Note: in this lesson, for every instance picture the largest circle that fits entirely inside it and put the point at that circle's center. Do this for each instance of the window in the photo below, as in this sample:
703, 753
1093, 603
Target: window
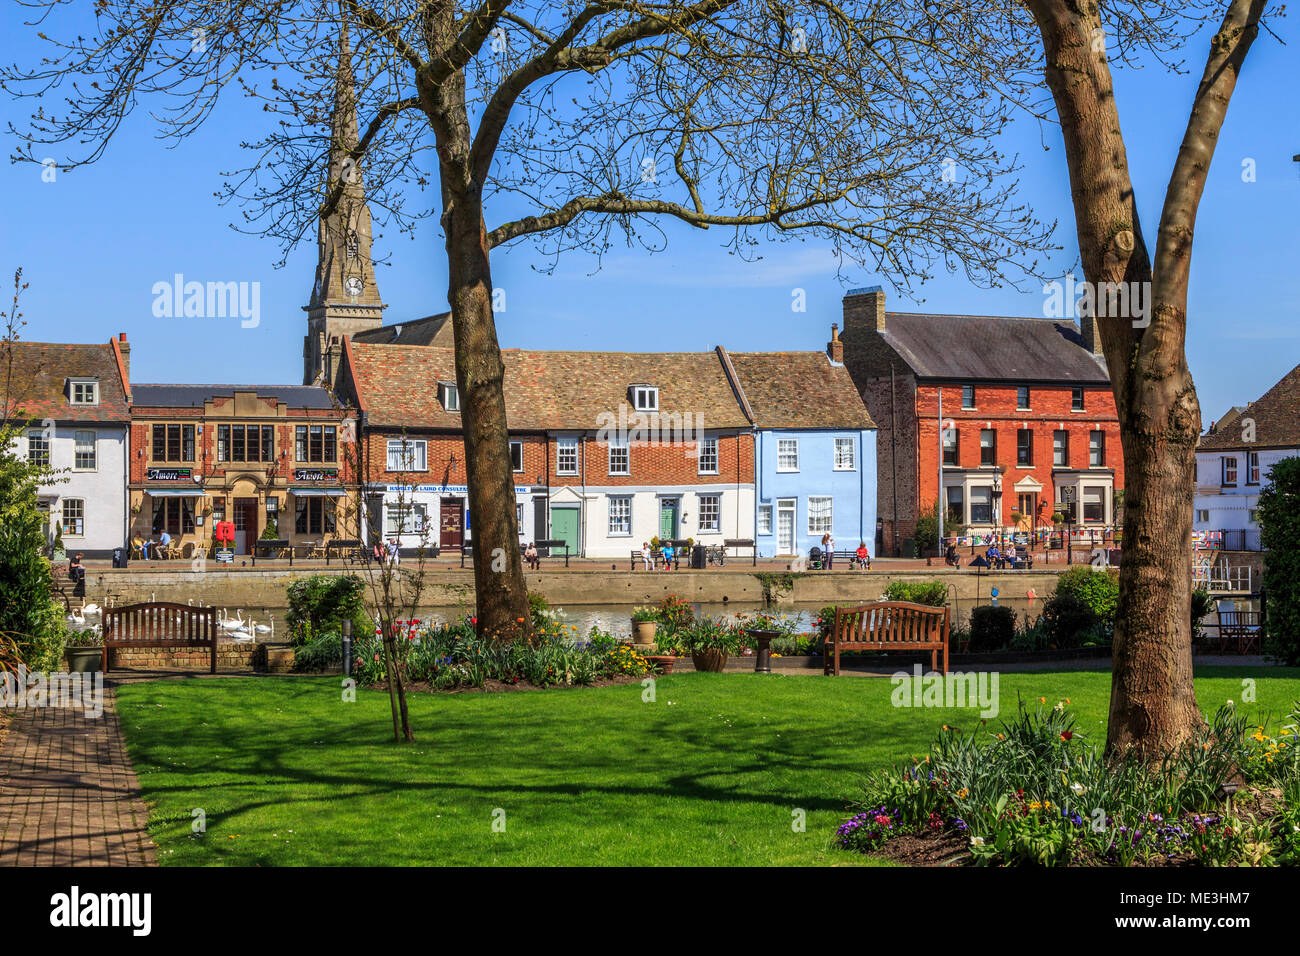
516, 456
845, 454
1076, 399
1094, 503
645, 398
315, 443
950, 449
218, 510
405, 519
1024, 447
1203, 515
620, 514
313, 515
74, 516
956, 505
407, 454
83, 456
1252, 515
619, 457
449, 396
968, 396
981, 504
234, 443
988, 446
83, 393
819, 514
1096, 449
708, 456
764, 519
1022, 396
38, 448
787, 454
566, 456
1061, 449
1229, 471
710, 512
1252, 467
176, 442
174, 515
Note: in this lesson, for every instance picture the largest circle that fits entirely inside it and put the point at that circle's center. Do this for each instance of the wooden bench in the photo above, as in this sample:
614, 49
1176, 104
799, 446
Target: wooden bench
656, 559
161, 624
851, 557
1239, 631
738, 543
888, 626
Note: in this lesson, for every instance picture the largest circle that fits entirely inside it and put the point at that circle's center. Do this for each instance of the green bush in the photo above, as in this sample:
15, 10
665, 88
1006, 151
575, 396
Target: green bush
1279, 522
1099, 590
1068, 620
29, 615
992, 628
932, 593
1202, 604
319, 604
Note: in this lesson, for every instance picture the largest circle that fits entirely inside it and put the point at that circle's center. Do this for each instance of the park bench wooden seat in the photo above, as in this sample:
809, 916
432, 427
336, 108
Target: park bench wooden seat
160, 624
1239, 631
736, 544
850, 557
891, 626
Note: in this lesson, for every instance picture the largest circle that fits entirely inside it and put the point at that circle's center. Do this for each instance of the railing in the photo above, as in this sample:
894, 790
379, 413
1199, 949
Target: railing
1217, 580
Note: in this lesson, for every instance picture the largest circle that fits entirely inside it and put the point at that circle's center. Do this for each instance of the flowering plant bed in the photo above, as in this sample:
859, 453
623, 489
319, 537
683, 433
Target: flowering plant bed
1036, 792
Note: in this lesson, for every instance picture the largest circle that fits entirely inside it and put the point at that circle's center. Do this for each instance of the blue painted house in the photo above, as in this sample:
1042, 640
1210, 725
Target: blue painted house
814, 449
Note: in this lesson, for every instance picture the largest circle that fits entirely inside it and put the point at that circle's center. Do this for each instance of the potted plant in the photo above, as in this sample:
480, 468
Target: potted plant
84, 651
644, 620
666, 651
709, 642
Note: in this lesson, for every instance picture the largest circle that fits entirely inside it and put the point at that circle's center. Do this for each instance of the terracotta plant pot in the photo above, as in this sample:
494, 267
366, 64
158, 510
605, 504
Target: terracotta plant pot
643, 633
663, 663
711, 659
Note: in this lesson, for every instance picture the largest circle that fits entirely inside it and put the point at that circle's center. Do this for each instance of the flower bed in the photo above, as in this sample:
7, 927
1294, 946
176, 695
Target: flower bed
1036, 792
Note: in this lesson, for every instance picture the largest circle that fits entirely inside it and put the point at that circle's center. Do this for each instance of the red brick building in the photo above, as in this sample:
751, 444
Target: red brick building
255, 455
1027, 426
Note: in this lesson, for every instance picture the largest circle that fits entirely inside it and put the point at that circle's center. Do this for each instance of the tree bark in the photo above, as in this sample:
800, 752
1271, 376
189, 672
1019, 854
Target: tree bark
1153, 703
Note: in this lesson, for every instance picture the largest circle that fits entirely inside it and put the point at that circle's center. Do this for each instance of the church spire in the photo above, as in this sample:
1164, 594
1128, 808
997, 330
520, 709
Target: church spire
345, 297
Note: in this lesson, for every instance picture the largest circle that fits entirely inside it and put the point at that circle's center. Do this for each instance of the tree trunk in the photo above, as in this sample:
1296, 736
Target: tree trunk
1153, 704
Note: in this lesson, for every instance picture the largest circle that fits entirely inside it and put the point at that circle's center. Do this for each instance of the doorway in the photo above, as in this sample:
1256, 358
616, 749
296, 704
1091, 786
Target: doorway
451, 524
245, 515
785, 520
668, 512
564, 527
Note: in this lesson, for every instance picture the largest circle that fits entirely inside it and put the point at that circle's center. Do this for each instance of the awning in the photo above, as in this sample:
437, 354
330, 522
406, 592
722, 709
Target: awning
175, 492
317, 492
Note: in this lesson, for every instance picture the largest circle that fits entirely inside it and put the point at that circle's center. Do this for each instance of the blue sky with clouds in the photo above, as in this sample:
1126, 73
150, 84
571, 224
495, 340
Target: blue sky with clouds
95, 241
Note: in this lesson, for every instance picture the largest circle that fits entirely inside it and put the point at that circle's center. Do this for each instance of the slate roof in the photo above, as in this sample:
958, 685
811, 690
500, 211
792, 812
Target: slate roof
41, 372
431, 330
397, 385
799, 390
193, 396
1276, 415
992, 348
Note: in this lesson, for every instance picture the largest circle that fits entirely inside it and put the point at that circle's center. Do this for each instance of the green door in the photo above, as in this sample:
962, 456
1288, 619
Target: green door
667, 519
564, 527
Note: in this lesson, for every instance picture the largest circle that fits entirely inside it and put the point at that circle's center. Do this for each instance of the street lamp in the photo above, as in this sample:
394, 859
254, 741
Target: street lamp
997, 507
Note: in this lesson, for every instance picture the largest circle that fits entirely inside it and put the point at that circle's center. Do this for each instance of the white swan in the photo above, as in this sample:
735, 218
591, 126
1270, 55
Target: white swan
91, 610
235, 623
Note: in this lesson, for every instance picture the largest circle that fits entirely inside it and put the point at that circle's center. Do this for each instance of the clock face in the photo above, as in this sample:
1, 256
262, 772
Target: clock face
353, 285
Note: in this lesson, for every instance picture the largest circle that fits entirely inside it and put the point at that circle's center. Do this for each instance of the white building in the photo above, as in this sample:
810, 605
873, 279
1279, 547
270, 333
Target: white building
76, 401
1233, 460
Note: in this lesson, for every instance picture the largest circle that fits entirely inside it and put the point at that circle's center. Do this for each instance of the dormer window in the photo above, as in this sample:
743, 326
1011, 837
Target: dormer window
645, 398
83, 391
449, 396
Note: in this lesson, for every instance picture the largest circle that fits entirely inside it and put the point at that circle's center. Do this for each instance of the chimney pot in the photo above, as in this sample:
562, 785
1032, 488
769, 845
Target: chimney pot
835, 348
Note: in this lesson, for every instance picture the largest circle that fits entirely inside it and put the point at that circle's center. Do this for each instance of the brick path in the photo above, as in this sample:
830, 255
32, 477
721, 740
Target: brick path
68, 795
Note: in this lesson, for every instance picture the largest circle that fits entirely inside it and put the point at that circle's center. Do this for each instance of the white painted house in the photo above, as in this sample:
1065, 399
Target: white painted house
1233, 460
75, 401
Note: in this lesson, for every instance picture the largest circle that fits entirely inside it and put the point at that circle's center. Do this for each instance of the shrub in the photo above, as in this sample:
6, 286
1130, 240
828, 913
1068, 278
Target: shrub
321, 653
1067, 620
1202, 604
319, 604
711, 634
992, 628
932, 593
1279, 522
29, 615
1097, 589
674, 614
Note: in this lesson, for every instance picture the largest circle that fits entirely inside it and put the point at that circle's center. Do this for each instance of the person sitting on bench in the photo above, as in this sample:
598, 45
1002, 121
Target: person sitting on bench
647, 556
863, 557
530, 555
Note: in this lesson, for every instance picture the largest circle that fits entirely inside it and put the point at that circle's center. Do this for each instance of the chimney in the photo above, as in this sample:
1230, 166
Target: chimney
835, 348
864, 309
124, 347
1088, 332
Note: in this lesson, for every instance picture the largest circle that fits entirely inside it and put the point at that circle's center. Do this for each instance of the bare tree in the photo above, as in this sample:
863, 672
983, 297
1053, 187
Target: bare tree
578, 123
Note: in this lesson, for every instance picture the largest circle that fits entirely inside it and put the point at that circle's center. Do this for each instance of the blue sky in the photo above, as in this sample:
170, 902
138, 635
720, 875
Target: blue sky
93, 243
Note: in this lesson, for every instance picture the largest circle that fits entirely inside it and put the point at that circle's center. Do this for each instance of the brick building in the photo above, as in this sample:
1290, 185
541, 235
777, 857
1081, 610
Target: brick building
1003, 420
255, 455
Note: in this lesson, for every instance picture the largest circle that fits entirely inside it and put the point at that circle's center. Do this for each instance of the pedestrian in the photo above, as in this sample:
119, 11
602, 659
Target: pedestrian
77, 574
530, 555
394, 552
828, 545
646, 556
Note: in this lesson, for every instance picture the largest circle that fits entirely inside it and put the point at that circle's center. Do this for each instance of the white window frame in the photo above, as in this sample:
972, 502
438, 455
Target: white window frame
1061, 448
765, 519
78, 450
620, 516
708, 452
563, 445
76, 384
520, 446
645, 398
782, 452
449, 396
78, 527
710, 504
36, 440
620, 451
1203, 515
847, 462
418, 456
973, 397
419, 512
819, 523
1097, 449
1223, 471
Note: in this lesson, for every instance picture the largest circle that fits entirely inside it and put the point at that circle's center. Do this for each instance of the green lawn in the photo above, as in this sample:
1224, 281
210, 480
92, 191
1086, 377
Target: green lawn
711, 773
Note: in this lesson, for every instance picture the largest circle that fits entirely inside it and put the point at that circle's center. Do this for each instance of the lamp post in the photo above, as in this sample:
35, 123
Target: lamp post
997, 507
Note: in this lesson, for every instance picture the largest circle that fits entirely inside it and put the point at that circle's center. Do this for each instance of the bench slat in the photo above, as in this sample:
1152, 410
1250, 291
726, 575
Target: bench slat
889, 625
161, 624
